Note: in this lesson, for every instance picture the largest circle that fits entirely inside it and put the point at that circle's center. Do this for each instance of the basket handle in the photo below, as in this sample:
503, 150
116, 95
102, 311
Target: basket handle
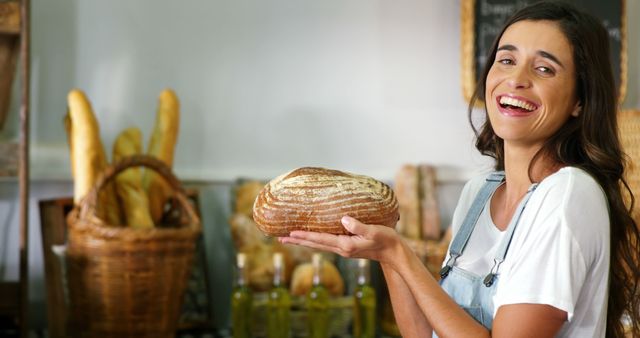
88, 203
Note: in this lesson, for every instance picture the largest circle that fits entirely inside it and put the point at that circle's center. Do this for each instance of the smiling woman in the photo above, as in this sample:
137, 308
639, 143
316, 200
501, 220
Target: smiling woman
531, 88
482, 20
545, 245
557, 59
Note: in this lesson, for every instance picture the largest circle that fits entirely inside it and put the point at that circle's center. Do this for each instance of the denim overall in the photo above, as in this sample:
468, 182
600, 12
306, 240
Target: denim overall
472, 292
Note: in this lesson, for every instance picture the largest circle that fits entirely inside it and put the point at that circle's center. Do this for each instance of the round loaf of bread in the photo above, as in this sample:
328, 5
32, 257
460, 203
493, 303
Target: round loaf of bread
315, 199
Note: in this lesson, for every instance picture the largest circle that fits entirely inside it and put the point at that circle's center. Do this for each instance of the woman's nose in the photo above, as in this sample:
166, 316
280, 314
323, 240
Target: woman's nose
519, 78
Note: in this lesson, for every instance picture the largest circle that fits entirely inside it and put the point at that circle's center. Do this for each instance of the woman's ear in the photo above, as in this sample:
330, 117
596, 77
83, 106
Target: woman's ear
576, 110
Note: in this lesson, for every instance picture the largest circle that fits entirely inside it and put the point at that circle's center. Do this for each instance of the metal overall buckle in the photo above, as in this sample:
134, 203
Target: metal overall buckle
444, 272
489, 279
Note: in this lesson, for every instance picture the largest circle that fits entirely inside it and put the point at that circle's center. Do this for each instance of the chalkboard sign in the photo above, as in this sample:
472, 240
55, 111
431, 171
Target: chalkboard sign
483, 19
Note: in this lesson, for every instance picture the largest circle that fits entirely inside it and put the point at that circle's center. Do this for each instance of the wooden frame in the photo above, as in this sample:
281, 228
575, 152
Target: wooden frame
10, 26
15, 43
468, 40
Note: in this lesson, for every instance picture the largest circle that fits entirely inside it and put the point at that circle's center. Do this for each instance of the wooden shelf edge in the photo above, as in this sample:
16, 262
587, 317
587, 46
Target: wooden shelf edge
9, 159
10, 17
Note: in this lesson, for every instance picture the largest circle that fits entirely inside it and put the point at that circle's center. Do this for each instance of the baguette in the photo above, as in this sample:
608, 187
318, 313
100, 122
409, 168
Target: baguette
407, 189
88, 158
430, 214
133, 198
161, 145
315, 199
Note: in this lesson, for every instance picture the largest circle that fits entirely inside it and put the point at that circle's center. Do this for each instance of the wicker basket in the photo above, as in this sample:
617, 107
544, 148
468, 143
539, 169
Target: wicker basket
629, 129
125, 282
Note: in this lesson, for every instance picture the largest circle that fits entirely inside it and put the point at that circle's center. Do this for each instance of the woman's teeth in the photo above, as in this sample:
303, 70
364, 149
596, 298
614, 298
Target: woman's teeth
505, 100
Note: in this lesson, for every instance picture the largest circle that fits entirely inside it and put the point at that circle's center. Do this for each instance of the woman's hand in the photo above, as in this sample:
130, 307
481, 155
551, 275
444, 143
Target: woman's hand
369, 241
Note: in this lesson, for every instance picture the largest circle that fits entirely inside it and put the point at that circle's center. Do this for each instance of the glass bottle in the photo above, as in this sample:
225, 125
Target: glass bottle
279, 303
364, 325
241, 301
318, 303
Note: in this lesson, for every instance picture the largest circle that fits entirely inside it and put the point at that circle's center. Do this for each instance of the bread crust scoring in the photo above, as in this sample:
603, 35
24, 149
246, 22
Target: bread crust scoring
315, 199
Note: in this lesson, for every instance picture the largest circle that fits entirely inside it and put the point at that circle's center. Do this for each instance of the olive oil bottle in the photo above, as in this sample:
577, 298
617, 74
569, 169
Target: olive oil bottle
279, 303
318, 303
241, 301
364, 325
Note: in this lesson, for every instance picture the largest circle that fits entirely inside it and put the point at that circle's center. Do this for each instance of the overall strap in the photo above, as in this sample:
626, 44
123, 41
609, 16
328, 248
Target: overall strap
462, 236
501, 253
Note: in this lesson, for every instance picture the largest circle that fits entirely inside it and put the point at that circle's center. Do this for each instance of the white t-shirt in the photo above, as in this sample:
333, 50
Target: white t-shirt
559, 254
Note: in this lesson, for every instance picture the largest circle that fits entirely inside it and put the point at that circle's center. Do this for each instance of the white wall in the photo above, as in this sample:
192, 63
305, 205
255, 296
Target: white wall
359, 85
265, 86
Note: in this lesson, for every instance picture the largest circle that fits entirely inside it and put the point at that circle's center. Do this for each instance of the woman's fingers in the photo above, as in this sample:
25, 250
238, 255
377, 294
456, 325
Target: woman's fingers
366, 240
367, 231
354, 226
343, 245
318, 237
308, 243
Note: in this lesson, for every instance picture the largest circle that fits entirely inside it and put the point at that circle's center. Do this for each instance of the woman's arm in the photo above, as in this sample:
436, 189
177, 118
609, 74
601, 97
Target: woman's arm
415, 290
383, 244
450, 320
442, 313
410, 319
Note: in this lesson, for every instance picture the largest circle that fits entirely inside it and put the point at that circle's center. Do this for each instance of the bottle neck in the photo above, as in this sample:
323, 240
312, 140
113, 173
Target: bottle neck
277, 276
317, 275
363, 274
363, 279
241, 280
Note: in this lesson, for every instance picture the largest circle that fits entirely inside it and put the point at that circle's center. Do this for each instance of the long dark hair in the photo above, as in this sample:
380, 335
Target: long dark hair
590, 142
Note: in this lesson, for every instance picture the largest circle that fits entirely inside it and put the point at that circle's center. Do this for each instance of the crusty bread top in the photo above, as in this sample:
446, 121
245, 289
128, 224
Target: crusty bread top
315, 199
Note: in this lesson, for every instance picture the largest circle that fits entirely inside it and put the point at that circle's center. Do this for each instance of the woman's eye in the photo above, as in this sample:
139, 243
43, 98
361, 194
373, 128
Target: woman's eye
506, 61
545, 70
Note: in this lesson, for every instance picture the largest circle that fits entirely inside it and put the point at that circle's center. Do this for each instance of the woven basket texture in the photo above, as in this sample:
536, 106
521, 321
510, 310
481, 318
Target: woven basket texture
126, 282
629, 129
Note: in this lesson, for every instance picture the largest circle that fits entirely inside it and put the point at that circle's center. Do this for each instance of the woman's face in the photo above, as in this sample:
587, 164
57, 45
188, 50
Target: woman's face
531, 87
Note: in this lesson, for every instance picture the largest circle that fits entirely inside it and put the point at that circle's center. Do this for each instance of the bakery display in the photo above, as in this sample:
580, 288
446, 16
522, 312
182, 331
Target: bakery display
246, 193
259, 252
88, 158
135, 198
407, 189
315, 199
416, 188
429, 209
302, 279
259, 249
161, 145
420, 223
131, 194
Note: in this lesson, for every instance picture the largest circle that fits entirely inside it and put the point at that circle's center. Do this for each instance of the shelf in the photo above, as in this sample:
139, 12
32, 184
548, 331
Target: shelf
9, 159
14, 156
10, 17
